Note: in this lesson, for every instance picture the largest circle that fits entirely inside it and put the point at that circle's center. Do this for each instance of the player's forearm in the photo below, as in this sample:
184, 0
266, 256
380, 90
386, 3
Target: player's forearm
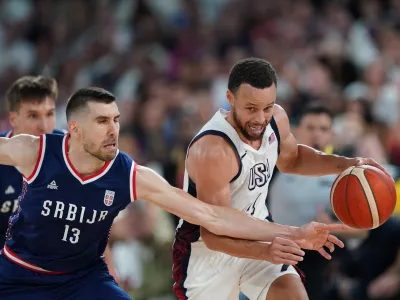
311, 162
237, 224
223, 220
236, 247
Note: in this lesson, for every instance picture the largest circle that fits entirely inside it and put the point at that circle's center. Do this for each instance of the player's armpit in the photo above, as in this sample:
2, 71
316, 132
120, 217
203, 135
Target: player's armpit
20, 151
220, 220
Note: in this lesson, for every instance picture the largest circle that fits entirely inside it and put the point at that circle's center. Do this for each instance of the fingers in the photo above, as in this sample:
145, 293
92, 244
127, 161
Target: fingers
287, 246
287, 262
336, 226
330, 246
333, 239
286, 242
286, 258
293, 250
286, 252
292, 257
324, 253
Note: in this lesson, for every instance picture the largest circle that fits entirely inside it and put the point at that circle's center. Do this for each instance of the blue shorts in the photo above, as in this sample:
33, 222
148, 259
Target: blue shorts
95, 283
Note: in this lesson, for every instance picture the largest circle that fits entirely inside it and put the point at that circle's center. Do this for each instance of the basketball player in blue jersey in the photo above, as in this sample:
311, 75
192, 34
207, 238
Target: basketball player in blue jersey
74, 187
230, 163
31, 103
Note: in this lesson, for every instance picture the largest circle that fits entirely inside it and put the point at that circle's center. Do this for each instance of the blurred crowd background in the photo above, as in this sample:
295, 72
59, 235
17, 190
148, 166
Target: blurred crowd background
168, 61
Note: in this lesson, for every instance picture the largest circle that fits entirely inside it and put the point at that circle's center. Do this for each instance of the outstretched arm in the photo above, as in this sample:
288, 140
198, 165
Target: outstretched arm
223, 220
20, 151
300, 159
220, 220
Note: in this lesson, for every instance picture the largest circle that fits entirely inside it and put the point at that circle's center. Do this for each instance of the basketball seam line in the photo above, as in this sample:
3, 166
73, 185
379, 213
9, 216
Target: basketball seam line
366, 199
371, 202
347, 202
391, 192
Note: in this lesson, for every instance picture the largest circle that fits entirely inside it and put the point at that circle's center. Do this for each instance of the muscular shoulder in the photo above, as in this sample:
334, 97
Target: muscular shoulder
282, 121
212, 157
211, 148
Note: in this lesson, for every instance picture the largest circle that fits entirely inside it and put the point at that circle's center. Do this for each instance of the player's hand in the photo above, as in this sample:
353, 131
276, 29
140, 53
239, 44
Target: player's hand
371, 162
385, 286
283, 251
314, 236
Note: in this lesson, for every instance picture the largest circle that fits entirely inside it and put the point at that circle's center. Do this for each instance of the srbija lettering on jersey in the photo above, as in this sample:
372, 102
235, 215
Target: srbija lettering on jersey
63, 219
10, 189
249, 187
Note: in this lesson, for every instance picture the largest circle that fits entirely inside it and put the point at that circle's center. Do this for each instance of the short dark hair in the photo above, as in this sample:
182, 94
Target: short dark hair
316, 108
30, 88
82, 97
257, 72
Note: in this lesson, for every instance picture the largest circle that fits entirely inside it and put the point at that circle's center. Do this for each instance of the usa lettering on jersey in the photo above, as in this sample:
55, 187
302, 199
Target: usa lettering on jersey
259, 175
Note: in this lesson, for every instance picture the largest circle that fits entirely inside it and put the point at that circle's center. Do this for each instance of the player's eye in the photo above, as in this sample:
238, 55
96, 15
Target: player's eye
32, 116
251, 109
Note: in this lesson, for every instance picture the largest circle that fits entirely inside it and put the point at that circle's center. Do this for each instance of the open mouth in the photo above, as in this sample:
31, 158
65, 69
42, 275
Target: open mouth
111, 146
255, 129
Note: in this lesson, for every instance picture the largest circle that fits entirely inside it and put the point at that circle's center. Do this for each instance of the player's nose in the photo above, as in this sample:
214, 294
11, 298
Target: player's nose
260, 118
42, 127
113, 130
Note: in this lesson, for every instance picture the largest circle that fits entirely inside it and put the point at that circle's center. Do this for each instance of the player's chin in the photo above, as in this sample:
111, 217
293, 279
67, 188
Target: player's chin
108, 154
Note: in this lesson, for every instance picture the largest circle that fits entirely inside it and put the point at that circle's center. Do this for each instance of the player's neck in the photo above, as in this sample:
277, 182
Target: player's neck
85, 163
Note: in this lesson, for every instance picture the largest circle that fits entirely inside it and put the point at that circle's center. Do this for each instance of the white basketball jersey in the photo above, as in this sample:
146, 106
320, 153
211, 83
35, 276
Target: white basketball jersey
249, 187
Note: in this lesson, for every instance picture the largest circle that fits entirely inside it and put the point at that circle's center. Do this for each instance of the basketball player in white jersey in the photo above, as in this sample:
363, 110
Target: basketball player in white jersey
230, 163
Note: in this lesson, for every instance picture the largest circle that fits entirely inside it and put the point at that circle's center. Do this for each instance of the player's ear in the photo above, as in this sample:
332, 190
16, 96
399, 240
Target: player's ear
12, 116
230, 97
73, 127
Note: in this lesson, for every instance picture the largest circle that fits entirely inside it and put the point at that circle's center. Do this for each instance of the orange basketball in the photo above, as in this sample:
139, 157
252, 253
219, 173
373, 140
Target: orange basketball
363, 197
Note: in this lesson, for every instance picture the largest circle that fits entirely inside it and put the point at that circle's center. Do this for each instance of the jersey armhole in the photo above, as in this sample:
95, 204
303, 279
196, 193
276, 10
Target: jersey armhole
274, 127
132, 182
39, 160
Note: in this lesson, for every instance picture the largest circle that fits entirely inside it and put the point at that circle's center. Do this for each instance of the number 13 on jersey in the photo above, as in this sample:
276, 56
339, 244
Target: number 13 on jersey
71, 235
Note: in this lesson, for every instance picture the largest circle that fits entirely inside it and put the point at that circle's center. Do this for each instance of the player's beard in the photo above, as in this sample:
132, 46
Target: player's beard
242, 128
98, 152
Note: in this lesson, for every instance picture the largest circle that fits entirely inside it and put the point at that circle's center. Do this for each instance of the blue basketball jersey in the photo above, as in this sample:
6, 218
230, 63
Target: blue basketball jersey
63, 220
10, 189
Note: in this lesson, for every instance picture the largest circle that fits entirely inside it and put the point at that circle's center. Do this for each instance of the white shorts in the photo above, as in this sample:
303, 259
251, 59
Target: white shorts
214, 275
